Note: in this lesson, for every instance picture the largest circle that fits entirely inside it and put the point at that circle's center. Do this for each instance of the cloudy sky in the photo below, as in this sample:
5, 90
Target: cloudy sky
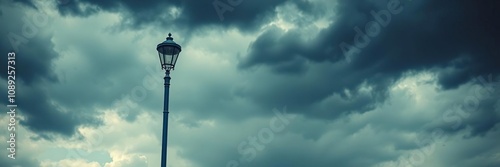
303, 83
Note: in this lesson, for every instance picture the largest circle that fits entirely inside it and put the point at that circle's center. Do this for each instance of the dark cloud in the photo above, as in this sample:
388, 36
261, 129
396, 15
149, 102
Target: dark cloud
476, 109
45, 117
192, 15
425, 35
34, 56
24, 34
302, 68
276, 48
57, 104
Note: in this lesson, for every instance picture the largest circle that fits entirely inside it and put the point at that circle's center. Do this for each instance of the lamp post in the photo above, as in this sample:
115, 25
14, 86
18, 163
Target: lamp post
168, 51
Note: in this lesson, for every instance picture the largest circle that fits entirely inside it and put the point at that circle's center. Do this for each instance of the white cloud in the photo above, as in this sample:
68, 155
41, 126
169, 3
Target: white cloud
69, 163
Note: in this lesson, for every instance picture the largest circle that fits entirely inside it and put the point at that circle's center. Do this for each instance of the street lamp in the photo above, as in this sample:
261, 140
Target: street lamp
168, 51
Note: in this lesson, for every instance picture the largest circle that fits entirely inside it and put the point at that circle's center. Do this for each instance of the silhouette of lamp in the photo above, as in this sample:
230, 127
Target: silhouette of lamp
168, 51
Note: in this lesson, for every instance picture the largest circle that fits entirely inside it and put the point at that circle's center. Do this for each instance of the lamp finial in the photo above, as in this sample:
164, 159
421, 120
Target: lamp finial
170, 37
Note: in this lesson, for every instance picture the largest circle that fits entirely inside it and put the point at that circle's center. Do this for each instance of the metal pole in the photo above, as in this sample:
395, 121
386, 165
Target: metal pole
165, 120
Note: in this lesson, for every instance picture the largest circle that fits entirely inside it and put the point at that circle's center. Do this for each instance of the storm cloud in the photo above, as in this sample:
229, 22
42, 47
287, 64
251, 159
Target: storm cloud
368, 83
